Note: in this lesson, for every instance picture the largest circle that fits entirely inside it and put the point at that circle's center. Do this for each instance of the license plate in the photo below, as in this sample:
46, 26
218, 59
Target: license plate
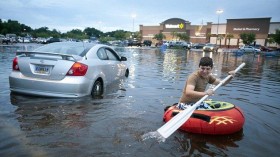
42, 69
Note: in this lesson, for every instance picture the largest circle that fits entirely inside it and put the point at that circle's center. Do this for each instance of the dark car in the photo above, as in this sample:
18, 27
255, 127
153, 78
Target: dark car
159, 43
147, 42
264, 48
134, 43
198, 46
52, 40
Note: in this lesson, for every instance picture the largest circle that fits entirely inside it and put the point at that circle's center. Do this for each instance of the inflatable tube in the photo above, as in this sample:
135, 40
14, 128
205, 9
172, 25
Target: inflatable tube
222, 118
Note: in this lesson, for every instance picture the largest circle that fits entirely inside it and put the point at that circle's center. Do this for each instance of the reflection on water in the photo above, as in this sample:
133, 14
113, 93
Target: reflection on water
17, 47
44, 113
211, 145
115, 124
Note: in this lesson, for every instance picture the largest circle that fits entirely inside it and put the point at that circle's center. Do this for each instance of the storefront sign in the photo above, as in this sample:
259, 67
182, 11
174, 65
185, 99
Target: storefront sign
246, 29
259, 26
181, 25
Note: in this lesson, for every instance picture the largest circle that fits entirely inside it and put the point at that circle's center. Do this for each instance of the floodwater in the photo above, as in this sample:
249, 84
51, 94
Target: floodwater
113, 126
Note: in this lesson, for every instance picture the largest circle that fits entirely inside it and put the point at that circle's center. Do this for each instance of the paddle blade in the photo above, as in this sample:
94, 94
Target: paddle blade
173, 124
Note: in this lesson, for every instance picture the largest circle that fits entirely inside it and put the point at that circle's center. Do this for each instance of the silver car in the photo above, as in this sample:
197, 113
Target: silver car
180, 44
210, 47
249, 49
66, 69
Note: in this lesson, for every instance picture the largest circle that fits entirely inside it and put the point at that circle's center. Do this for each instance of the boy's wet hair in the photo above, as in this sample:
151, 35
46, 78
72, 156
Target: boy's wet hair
206, 61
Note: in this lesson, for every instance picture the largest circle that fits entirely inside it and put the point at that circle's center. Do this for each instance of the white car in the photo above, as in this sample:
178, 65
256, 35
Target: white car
180, 44
66, 69
166, 43
249, 49
24, 40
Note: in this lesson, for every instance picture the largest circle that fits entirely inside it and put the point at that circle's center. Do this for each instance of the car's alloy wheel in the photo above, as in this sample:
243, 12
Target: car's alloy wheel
97, 89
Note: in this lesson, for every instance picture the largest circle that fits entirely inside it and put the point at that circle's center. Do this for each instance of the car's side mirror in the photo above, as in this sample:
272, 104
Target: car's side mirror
123, 59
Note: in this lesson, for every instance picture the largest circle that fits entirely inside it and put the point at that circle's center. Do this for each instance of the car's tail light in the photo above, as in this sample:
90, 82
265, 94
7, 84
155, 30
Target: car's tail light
15, 64
77, 69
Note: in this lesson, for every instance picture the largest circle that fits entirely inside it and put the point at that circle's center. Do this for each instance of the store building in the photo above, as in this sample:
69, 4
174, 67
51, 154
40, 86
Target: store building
197, 33
214, 33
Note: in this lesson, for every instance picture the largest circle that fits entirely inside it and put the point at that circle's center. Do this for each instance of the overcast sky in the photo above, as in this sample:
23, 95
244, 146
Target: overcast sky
110, 15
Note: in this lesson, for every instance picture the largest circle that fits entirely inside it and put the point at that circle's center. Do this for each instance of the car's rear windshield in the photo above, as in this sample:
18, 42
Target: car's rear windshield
70, 48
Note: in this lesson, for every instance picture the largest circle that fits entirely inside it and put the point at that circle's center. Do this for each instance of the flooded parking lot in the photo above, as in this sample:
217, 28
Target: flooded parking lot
113, 125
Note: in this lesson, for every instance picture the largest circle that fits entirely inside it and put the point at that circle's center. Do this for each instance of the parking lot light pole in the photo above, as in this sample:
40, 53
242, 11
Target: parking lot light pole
218, 12
133, 17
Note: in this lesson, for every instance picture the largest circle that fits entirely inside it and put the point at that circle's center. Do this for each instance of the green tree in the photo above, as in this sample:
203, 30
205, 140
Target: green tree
105, 39
276, 36
120, 35
1, 25
14, 27
183, 36
220, 38
10, 27
42, 32
173, 34
55, 33
127, 35
208, 36
137, 35
229, 36
92, 32
76, 34
159, 37
270, 40
247, 38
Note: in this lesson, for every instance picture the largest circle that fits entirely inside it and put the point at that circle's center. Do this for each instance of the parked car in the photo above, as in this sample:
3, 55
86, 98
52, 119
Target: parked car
12, 38
41, 40
159, 43
264, 48
147, 42
3, 39
180, 44
249, 49
258, 46
198, 46
52, 40
210, 47
66, 69
134, 43
166, 43
24, 40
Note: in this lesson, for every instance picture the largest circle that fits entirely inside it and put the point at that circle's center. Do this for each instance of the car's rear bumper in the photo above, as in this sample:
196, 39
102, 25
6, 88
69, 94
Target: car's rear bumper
209, 49
70, 86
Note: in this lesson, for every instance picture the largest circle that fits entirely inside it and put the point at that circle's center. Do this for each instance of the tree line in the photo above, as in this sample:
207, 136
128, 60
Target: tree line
14, 27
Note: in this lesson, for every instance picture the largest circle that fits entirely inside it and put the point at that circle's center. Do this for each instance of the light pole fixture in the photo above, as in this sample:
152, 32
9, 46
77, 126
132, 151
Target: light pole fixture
218, 12
133, 17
